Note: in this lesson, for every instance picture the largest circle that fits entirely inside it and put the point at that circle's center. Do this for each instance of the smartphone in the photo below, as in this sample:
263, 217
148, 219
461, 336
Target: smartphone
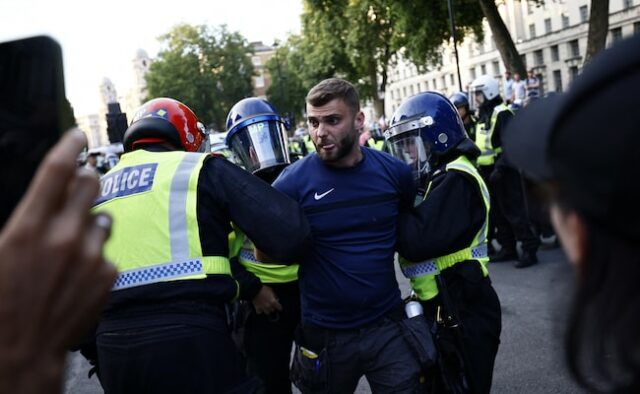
34, 112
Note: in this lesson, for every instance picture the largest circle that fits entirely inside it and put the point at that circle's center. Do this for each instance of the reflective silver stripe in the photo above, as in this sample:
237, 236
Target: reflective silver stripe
158, 273
413, 124
178, 228
416, 270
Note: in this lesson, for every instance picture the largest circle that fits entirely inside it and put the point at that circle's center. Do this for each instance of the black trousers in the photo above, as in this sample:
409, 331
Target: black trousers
268, 340
478, 309
509, 213
171, 359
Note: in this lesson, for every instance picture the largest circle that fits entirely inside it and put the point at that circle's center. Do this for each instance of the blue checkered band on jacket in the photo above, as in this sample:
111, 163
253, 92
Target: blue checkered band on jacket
247, 255
417, 270
479, 251
158, 273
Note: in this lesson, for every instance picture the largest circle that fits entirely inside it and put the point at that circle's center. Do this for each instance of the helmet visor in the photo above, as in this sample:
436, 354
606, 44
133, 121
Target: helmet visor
476, 98
410, 148
261, 145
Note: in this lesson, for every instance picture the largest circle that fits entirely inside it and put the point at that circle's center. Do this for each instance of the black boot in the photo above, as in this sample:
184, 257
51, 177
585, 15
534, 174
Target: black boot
527, 259
505, 254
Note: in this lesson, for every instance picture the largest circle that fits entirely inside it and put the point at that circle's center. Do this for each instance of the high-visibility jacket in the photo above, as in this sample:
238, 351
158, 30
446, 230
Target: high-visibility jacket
375, 144
308, 143
155, 237
422, 274
267, 273
484, 135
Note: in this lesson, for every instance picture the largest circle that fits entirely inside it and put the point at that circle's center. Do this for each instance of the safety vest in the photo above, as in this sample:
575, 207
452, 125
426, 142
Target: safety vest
483, 138
309, 144
375, 144
155, 236
422, 274
267, 273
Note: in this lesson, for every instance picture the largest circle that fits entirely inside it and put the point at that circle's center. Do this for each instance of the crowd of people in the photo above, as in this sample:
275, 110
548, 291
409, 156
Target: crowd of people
179, 271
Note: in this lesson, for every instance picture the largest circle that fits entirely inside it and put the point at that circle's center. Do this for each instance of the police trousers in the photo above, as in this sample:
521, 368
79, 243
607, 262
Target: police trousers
171, 359
268, 340
478, 309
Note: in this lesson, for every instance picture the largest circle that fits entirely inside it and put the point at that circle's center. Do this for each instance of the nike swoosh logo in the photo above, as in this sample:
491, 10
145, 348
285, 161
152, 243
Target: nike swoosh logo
319, 196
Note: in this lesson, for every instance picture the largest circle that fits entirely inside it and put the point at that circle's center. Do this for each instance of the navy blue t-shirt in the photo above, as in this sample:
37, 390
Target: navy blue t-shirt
348, 279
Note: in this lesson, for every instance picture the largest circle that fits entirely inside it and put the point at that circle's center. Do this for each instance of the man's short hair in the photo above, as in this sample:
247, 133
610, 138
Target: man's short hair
334, 88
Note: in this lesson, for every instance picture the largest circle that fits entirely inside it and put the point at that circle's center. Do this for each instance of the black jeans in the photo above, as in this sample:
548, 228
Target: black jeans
268, 340
378, 351
170, 359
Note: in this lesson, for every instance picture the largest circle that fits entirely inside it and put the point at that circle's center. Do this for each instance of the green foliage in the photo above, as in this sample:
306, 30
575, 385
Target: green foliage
209, 69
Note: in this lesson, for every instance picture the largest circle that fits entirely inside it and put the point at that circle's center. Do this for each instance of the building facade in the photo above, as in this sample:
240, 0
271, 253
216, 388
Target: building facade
551, 38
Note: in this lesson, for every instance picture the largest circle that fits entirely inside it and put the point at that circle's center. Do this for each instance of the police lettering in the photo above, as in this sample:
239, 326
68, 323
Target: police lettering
128, 181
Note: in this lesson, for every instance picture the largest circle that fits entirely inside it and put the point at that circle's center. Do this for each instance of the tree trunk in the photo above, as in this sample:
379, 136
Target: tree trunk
598, 28
502, 37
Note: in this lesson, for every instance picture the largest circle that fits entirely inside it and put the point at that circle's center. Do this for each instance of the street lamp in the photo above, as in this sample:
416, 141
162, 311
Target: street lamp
275, 45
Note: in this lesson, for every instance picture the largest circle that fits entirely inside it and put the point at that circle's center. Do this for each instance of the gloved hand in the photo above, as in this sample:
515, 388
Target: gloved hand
266, 301
496, 175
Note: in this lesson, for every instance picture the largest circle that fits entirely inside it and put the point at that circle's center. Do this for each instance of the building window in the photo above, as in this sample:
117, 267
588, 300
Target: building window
584, 14
565, 21
538, 57
532, 30
426, 85
636, 28
524, 60
472, 72
444, 82
496, 68
557, 80
573, 72
574, 48
555, 53
451, 82
616, 34
258, 82
628, 3
547, 25
411, 91
418, 87
483, 69
256, 60
434, 82
392, 95
404, 91
529, 8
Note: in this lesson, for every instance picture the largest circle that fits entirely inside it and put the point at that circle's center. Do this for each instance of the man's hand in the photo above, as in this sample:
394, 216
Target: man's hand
266, 301
53, 277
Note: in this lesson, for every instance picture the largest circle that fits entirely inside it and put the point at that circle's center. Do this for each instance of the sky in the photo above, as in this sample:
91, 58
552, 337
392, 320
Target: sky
100, 38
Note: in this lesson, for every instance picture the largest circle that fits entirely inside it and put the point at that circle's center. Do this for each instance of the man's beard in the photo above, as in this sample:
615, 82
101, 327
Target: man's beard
345, 145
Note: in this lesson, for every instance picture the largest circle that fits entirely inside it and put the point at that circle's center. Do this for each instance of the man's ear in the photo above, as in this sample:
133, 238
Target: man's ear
359, 120
572, 230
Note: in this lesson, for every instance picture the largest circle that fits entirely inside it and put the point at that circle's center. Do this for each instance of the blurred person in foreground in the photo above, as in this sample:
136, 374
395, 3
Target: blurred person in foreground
53, 277
582, 148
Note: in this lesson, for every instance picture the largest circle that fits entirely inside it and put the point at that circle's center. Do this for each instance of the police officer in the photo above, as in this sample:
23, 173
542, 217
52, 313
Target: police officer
445, 237
509, 213
254, 124
164, 329
461, 101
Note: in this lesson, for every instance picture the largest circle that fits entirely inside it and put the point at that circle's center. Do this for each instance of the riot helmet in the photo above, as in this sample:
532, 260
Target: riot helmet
423, 129
257, 136
165, 120
460, 99
483, 89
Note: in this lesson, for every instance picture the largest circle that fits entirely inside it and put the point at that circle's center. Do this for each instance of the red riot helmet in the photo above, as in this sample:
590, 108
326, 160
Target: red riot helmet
165, 120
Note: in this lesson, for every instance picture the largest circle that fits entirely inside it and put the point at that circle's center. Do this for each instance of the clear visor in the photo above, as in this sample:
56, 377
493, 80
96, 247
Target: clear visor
476, 98
410, 148
261, 146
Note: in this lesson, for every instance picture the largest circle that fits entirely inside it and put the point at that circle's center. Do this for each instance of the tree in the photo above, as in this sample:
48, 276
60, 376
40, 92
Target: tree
501, 36
598, 28
209, 69
360, 39
288, 89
